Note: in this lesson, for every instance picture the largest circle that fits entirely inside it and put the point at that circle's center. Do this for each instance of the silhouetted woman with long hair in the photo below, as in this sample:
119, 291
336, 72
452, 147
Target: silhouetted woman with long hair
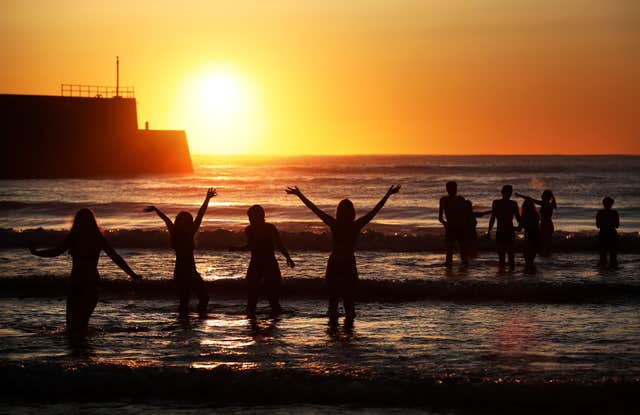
547, 205
530, 222
182, 234
84, 243
342, 273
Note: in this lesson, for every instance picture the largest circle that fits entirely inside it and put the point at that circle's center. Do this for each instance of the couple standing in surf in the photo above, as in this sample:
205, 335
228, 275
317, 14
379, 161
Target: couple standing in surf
85, 241
460, 225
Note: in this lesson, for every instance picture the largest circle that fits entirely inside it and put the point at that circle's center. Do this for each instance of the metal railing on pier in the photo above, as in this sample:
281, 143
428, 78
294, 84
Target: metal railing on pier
95, 91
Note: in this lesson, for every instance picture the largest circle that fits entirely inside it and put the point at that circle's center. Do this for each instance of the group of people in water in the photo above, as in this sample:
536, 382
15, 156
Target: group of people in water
459, 220
85, 241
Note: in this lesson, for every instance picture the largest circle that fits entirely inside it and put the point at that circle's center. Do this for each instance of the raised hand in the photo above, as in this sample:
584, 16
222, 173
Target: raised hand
150, 209
293, 191
393, 189
290, 263
211, 193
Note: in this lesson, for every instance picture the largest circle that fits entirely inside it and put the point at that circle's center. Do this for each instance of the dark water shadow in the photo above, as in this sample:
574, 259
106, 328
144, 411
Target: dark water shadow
338, 332
263, 329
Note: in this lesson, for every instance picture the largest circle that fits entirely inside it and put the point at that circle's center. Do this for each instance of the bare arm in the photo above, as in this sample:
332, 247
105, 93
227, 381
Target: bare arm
203, 209
325, 217
481, 214
117, 259
164, 217
537, 202
441, 214
362, 221
62, 247
492, 220
517, 215
598, 220
616, 220
282, 248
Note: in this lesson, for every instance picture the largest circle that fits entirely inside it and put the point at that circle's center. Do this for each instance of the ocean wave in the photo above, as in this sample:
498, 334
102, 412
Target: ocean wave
388, 239
247, 384
368, 290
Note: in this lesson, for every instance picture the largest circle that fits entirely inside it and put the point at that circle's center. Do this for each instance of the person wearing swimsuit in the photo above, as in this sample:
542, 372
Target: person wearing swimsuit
84, 243
342, 273
262, 239
182, 234
547, 205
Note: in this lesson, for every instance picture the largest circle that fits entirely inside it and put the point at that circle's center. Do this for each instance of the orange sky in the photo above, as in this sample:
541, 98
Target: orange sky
323, 77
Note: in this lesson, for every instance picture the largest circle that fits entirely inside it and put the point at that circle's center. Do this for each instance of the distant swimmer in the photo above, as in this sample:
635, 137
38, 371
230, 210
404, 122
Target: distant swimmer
547, 205
182, 234
530, 221
84, 243
608, 221
452, 214
504, 211
342, 273
262, 240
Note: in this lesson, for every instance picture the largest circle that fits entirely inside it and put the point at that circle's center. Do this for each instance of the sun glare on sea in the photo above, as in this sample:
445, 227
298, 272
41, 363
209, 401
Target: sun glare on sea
220, 112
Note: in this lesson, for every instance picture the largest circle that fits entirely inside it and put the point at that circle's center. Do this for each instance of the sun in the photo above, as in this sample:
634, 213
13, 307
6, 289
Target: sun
221, 95
220, 112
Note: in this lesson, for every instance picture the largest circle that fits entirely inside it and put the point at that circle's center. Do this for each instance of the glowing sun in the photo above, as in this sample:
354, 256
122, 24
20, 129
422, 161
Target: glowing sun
220, 112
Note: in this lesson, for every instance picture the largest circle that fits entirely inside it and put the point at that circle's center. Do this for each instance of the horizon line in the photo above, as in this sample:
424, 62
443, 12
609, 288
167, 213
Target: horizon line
419, 155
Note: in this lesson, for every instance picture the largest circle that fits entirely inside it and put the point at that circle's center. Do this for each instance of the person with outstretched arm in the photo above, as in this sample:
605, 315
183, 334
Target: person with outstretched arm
342, 273
547, 205
84, 243
182, 234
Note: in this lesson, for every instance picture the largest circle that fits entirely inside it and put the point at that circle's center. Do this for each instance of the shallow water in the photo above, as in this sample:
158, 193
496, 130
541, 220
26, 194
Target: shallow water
565, 338
472, 331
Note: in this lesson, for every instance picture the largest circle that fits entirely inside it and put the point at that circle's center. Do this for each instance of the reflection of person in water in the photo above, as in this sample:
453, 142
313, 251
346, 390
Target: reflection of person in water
182, 234
608, 221
530, 221
504, 211
452, 213
84, 243
471, 233
262, 239
547, 205
342, 273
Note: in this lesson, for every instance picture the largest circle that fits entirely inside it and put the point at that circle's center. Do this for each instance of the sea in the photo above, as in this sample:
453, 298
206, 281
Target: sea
428, 339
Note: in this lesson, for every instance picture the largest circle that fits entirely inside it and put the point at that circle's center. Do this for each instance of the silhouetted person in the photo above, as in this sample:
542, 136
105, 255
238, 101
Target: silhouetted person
262, 239
182, 234
530, 222
453, 215
84, 243
504, 211
471, 233
342, 273
608, 221
547, 205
